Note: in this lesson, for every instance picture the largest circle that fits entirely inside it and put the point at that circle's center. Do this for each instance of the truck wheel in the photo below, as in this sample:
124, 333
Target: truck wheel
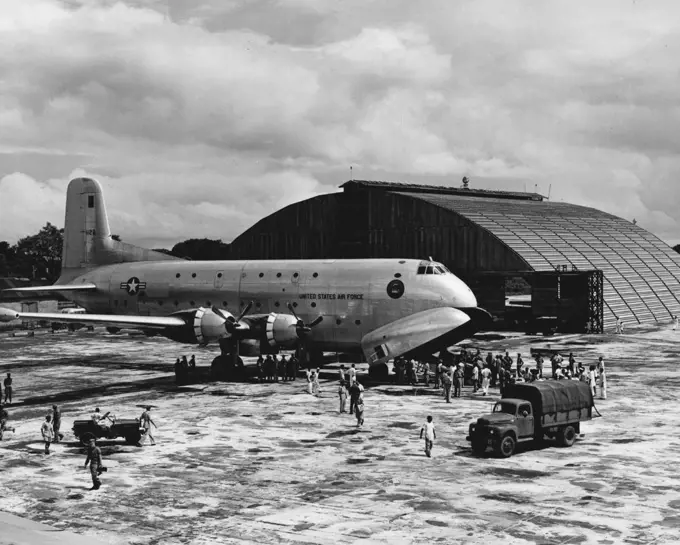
478, 446
506, 447
567, 436
132, 439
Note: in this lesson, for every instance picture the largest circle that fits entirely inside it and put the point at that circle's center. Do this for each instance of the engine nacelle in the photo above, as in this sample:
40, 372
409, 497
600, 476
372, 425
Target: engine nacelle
208, 326
281, 330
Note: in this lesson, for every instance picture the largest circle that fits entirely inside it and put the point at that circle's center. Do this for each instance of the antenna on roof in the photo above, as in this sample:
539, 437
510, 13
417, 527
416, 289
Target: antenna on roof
351, 177
549, 190
466, 182
535, 188
430, 258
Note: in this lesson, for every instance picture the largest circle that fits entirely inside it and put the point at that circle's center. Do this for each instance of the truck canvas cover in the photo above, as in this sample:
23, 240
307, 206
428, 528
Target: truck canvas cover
552, 396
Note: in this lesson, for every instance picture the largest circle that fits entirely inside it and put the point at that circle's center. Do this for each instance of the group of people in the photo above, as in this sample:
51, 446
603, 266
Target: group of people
50, 431
183, 368
471, 367
272, 368
351, 388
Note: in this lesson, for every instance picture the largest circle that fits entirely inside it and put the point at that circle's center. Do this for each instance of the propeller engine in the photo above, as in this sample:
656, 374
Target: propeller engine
301, 328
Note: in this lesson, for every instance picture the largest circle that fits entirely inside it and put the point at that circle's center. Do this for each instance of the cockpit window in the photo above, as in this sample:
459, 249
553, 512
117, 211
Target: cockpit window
430, 267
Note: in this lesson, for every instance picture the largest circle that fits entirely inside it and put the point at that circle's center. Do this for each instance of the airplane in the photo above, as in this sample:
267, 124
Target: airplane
381, 308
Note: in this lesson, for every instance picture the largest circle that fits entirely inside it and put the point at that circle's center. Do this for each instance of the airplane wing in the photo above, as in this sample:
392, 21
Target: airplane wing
146, 322
435, 328
53, 288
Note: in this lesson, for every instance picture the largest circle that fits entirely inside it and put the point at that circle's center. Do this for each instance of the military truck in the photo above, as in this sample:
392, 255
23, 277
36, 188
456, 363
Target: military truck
532, 412
129, 428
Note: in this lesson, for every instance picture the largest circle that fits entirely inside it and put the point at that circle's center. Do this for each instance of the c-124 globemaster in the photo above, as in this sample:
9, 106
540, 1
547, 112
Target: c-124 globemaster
383, 308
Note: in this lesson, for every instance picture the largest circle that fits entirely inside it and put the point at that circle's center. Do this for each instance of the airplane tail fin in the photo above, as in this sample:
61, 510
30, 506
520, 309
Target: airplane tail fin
87, 236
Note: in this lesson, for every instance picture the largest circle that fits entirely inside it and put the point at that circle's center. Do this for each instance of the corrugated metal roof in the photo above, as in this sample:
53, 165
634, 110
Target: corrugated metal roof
438, 189
642, 273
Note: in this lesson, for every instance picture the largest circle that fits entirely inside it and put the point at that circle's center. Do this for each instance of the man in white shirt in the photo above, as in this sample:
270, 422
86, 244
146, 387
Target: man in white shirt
47, 432
486, 380
352, 374
430, 435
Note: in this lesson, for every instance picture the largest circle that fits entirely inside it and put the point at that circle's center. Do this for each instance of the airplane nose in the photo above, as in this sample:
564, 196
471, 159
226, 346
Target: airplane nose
463, 296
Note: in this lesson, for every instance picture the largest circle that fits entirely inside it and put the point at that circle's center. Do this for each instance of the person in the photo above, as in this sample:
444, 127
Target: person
47, 432
178, 371
56, 423
591, 379
315, 382
539, 365
260, 368
438, 370
192, 362
355, 390
520, 364
146, 422
283, 368
4, 417
8, 389
572, 363
446, 382
343, 393
486, 380
430, 436
675, 322
475, 378
341, 372
99, 419
308, 374
290, 367
457, 381
359, 408
352, 374
426, 374
602, 378
94, 458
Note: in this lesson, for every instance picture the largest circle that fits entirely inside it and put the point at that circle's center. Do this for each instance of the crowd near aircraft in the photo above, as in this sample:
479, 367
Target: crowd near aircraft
383, 308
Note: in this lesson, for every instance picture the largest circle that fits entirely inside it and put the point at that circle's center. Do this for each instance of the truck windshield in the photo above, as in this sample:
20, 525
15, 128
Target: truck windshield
508, 408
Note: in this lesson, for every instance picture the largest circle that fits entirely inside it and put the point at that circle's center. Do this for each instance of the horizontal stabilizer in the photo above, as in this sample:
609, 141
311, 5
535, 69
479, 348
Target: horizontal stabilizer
142, 322
63, 287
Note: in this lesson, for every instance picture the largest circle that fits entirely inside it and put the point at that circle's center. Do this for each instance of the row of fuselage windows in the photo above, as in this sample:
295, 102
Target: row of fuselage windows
261, 275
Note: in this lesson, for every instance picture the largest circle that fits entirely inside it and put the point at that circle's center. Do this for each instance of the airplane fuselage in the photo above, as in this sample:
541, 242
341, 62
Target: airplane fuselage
353, 296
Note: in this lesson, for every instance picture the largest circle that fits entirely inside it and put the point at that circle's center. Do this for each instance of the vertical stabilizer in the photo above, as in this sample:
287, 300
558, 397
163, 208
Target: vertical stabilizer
87, 237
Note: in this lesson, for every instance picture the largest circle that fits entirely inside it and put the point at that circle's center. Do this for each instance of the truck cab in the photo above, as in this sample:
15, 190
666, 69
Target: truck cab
531, 412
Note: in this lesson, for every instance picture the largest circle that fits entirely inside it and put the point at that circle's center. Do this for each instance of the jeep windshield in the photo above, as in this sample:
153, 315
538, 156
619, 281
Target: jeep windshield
508, 408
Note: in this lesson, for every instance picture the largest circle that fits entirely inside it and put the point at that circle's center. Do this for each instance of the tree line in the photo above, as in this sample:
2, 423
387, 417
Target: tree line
38, 257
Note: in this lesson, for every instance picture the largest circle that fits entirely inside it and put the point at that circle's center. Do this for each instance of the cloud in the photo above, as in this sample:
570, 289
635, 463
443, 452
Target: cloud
201, 118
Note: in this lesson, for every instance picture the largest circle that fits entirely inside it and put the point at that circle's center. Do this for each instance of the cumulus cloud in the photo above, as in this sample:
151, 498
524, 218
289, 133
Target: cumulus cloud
201, 118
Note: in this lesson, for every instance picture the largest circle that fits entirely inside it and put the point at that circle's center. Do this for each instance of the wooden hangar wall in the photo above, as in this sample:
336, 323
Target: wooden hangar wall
370, 223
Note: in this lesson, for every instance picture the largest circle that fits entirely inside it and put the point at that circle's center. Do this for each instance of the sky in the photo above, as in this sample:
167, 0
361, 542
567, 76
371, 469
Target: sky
200, 117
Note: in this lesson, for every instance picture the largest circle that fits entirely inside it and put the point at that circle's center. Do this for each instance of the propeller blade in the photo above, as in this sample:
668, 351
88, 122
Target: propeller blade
290, 307
219, 313
245, 311
316, 322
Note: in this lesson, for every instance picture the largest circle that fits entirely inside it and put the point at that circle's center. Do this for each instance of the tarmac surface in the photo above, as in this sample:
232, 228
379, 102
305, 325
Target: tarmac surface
268, 463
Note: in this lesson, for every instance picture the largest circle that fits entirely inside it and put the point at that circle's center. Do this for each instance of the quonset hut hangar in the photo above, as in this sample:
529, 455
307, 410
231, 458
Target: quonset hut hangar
585, 267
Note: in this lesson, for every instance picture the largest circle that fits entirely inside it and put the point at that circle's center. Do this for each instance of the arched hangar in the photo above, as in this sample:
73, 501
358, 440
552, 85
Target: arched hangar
479, 234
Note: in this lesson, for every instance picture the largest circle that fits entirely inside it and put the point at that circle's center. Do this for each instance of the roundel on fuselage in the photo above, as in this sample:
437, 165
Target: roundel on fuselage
395, 289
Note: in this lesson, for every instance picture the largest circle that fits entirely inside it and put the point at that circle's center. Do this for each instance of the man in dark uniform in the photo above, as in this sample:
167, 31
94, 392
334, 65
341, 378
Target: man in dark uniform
94, 458
290, 368
282, 368
8, 388
260, 368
